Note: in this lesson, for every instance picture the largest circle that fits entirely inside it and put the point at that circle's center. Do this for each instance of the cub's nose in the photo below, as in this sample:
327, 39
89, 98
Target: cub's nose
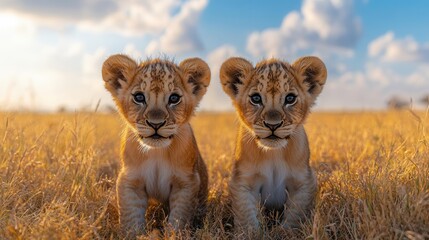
272, 126
154, 125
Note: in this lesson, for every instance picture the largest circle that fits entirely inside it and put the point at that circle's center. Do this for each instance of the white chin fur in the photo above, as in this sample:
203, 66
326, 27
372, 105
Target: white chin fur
148, 143
268, 144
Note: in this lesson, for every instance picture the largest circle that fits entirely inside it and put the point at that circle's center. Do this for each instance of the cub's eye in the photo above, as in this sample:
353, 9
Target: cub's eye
290, 99
256, 99
139, 98
174, 99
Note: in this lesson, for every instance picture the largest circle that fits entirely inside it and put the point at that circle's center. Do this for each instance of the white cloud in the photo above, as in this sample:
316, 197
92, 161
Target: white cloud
419, 77
40, 75
136, 17
373, 86
380, 75
349, 90
215, 98
132, 51
91, 63
180, 36
43, 59
320, 25
124, 17
390, 49
63, 10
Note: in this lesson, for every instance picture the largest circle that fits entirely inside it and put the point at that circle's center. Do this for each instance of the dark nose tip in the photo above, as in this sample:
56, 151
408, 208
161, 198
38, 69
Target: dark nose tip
155, 126
273, 127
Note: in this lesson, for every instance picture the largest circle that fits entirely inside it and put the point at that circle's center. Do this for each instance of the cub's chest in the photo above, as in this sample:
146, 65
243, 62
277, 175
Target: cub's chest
157, 177
272, 184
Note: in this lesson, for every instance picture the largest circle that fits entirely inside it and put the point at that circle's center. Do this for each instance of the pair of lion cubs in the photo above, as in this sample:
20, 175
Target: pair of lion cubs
160, 157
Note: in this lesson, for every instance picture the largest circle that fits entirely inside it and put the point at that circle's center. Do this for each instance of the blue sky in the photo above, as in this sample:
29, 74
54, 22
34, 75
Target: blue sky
52, 51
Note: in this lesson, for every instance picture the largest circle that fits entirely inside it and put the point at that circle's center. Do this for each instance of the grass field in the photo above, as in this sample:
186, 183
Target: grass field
58, 174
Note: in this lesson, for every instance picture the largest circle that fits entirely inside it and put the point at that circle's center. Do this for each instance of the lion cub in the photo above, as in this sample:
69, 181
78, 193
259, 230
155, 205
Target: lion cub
160, 157
272, 154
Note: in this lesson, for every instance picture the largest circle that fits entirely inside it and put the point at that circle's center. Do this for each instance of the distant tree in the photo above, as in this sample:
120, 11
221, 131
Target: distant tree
425, 100
62, 109
396, 102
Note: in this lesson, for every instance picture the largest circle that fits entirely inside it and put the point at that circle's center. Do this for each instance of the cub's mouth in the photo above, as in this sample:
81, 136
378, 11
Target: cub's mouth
273, 141
156, 136
275, 137
156, 140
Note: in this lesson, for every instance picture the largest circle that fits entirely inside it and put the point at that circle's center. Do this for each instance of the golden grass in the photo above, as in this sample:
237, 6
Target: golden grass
58, 175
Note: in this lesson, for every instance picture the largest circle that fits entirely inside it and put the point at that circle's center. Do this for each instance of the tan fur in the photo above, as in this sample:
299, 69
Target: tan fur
272, 164
167, 168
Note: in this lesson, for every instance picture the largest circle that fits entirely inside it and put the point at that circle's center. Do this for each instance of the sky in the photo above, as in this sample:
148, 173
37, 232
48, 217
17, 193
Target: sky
51, 52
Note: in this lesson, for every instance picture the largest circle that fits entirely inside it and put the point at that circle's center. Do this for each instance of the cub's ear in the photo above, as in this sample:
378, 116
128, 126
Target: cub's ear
197, 76
233, 74
117, 71
313, 73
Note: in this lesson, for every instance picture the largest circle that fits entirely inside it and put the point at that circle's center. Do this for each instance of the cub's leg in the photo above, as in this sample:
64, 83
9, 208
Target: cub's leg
183, 201
244, 204
300, 200
132, 202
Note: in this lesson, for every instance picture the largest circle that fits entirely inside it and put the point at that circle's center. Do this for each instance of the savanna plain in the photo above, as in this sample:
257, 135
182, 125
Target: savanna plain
58, 174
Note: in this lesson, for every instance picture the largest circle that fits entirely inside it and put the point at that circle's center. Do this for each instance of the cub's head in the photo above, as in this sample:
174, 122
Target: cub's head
273, 98
156, 96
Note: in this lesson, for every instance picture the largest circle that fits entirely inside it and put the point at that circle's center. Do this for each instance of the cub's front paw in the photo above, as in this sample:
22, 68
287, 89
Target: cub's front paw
132, 228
